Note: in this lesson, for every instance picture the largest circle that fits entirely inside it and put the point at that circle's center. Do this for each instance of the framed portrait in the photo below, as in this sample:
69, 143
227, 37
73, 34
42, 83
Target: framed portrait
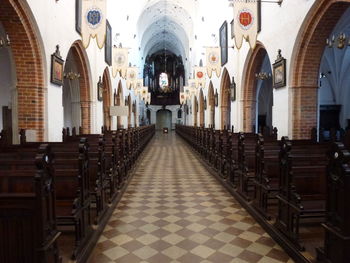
232, 29
100, 90
279, 72
78, 16
223, 43
108, 44
56, 68
233, 90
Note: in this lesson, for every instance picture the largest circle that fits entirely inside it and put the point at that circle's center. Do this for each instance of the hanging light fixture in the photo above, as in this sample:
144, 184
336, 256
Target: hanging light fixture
5, 41
340, 41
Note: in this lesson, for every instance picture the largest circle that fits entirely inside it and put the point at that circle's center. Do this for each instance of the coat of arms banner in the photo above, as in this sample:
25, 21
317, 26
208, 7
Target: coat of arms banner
200, 76
246, 22
131, 77
213, 61
93, 22
120, 61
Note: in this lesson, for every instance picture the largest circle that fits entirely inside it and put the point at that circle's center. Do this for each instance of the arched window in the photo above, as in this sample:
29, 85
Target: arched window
179, 114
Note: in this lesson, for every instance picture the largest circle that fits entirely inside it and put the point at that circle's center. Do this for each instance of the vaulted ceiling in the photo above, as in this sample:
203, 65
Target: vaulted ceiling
166, 25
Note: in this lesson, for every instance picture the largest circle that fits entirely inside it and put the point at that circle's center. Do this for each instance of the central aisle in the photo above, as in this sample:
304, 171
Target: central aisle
175, 211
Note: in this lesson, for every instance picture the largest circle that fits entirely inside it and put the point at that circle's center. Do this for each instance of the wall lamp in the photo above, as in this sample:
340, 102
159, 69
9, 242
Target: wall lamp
340, 41
71, 75
263, 75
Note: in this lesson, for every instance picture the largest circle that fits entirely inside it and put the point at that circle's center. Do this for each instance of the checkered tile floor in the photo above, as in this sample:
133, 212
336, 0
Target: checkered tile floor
175, 211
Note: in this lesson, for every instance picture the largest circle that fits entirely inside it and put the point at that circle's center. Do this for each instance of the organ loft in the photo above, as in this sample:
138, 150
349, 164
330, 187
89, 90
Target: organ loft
174, 131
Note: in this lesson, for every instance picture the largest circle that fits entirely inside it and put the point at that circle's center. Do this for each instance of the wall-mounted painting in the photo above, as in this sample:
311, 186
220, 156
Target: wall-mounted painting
279, 71
78, 16
57, 68
108, 46
223, 43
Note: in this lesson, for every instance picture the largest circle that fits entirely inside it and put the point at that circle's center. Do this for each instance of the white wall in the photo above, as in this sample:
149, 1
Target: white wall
56, 23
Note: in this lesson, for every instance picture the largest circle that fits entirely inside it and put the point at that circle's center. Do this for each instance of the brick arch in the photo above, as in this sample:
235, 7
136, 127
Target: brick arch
135, 112
107, 87
252, 66
225, 100
119, 102
304, 71
82, 61
195, 111
211, 104
201, 109
130, 108
29, 67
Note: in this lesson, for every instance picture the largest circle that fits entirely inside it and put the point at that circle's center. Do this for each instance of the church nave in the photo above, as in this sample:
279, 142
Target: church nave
174, 210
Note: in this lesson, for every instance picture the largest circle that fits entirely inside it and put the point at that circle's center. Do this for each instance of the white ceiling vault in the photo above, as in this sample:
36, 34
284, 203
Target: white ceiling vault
166, 25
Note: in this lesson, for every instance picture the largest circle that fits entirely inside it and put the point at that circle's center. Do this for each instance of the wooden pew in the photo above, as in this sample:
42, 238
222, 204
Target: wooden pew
98, 181
266, 180
73, 201
336, 247
302, 186
28, 228
246, 164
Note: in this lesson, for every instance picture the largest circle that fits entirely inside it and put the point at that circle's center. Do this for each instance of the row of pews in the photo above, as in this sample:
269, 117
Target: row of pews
55, 195
296, 189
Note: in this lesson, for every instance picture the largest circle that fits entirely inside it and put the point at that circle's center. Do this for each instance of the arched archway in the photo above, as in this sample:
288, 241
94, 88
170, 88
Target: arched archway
304, 72
76, 89
148, 115
26, 62
119, 102
201, 109
107, 86
225, 100
195, 111
164, 119
252, 85
211, 104
130, 110
134, 108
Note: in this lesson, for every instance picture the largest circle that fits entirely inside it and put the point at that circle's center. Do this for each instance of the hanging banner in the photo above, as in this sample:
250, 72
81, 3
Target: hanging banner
246, 22
192, 83
142, 92
187, 92
182, 97
120, 61
200, 76
93, 22
213, 61
131, 77
148, 98
138, 84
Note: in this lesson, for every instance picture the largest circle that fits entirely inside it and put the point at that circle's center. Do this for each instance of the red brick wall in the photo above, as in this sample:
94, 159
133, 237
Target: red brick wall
84, 84
253, 66
107, 89
225, 99
29, 66
309, 49
211, 103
